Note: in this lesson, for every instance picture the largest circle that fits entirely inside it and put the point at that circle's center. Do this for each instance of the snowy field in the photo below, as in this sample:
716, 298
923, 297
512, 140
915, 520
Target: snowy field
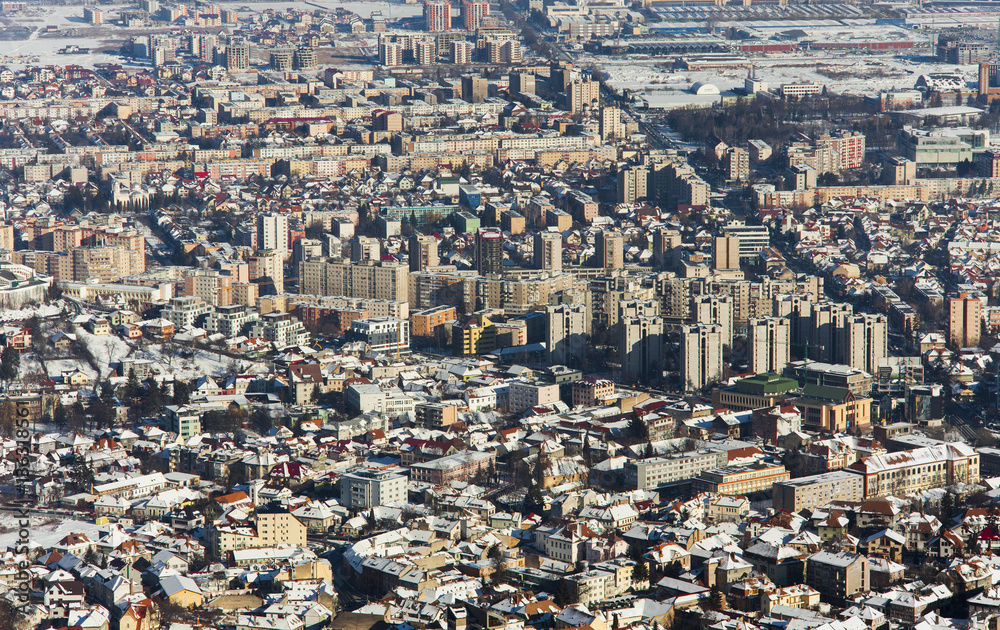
45, 531
69, 21
56, 367
41, 310
200, 363
106, 349
858, 75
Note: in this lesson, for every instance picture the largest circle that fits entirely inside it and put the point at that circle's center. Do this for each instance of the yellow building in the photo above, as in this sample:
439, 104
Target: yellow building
473, 335
833, 409
264, 529
181, 591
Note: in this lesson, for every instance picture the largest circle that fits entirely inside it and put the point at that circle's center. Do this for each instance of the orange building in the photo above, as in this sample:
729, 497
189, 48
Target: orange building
425, 323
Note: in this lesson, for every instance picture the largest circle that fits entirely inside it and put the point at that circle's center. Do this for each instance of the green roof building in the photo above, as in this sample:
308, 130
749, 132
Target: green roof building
755, 392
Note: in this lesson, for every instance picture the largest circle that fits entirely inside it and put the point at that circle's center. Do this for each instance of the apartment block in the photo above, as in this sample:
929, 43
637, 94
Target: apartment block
815, 491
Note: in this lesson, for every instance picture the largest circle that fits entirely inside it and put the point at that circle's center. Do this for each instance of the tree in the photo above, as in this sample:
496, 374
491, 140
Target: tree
638, 430
11, 616
947, 505
984, 437
534, 503
314, 397
182, 393
10, 364
59, 415
8, 418
649, 450
82, 474
132, 385
716, 600
641, 572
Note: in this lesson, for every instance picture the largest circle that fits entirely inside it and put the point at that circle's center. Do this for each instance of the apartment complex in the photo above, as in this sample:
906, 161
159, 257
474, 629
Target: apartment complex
919, 469
809, 493
647, 474
365, 489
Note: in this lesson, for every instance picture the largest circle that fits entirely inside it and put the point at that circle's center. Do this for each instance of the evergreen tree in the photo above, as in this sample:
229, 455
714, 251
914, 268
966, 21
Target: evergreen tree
59, 415
638, 430
716, 600
533, 500
641, 572
132, 386
182, 394
10, 364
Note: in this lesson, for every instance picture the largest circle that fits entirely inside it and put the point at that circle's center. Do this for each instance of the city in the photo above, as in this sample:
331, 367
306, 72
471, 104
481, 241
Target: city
499, 315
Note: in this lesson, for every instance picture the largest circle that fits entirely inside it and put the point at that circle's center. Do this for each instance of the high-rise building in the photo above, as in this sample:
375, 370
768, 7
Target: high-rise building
582, 95
560, 77
769, 341
736, 164
641, 348
425, 53
548, 251
865, 341
390, 54
611, 126
522, 82
965, 320
272, 233
610, 248
473, 12
715, 309
366, 248
437, 15
825, 337
701, 355
504, 51
214, 288
238, 55
461, 52
282, 59
268, 264
475, 89
666, 243
633, 184
305, 58
489, 251
93, 15
423, 252
797, 307
387, 281
726, 252
566, 327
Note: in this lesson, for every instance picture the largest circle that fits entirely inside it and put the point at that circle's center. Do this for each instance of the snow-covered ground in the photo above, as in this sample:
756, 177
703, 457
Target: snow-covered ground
41, 310
200, 363
56, 367
106, 349
69, 21
861, 75
45, 531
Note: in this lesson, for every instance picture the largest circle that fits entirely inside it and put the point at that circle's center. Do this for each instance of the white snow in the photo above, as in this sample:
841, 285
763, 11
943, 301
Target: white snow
47, 535
41, 310
106, 349
55, 368
201, 363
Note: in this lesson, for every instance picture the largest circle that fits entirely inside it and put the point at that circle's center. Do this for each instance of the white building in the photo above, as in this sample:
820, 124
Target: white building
769, 341
364, 489
701, 355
